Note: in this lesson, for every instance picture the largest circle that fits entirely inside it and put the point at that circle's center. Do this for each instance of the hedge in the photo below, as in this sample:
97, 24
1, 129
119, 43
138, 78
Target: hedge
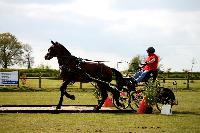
35, 72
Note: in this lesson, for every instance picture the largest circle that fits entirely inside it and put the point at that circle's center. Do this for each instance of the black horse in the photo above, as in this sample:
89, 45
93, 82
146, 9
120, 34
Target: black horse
73, 69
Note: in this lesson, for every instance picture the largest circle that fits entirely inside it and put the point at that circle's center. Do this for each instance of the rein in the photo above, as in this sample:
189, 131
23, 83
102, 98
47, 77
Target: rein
70, 59
66, 68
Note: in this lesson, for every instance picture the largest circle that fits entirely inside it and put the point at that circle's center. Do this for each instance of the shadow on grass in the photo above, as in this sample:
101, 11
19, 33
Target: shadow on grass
186, 112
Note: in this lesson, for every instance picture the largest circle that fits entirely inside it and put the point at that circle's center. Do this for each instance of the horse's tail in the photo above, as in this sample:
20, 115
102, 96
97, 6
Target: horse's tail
119, 78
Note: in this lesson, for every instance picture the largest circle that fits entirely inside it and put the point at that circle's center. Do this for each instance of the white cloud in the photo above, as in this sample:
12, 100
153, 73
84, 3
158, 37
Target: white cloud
117, 21
40, 49
132, 30
110, 59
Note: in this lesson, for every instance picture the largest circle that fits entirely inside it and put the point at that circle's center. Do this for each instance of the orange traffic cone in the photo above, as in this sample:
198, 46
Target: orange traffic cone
142, 106
108, 102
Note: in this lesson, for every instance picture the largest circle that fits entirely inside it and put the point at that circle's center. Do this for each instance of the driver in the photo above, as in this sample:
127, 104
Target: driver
151, 63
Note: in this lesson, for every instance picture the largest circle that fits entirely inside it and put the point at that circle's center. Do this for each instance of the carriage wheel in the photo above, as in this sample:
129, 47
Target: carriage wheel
136, 98
124, 100
166, 96
159, 103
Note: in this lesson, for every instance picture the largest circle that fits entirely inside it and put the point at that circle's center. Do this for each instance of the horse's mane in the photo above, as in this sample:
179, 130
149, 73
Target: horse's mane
63, 49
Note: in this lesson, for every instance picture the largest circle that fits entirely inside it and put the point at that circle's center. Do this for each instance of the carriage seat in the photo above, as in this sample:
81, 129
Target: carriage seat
153, 74
131, 84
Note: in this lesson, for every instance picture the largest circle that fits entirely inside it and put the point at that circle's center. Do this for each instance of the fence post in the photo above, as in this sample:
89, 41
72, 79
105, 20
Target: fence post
40, 81
167, 74
163, 79
81, 85
188, 80
18, 78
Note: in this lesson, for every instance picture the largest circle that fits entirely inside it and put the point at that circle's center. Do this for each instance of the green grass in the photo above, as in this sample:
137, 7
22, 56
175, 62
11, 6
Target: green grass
41, 98
47, 85
52, 83
182, 84
185, 118
101, 122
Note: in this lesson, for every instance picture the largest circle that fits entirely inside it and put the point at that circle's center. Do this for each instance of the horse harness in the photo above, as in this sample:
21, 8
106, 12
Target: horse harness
76, 67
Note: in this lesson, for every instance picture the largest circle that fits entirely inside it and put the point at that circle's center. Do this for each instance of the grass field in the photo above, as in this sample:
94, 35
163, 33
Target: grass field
182, 84
185, 118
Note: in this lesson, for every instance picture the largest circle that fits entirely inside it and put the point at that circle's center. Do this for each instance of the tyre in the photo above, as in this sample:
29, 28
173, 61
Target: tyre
164, 96
124, 100
135, 99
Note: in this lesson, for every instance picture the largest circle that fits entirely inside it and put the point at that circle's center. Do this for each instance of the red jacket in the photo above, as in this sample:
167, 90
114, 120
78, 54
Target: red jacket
152, 62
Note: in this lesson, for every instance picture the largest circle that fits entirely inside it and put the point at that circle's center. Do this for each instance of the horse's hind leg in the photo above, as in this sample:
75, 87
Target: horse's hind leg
116, 95
104, 95
63, 92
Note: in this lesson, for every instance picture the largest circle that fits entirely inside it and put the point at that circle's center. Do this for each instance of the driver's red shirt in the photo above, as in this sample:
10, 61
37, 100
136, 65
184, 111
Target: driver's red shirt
152, 65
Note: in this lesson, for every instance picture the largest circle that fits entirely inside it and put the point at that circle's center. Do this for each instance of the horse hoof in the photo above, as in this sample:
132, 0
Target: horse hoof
121, 105
96, 109
58, 107
72, 97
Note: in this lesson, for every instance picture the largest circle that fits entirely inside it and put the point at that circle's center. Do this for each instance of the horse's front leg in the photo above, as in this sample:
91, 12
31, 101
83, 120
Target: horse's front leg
63, 92
60, 101
72, 97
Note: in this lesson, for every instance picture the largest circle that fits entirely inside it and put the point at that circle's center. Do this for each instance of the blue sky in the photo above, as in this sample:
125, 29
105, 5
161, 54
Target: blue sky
111, 30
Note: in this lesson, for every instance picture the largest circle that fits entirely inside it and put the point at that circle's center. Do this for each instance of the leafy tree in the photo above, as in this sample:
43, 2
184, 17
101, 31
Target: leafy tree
42, 66
28, 59
11, 50
135, 62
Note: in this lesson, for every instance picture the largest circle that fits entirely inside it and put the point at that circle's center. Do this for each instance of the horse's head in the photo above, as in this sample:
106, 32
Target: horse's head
56, 50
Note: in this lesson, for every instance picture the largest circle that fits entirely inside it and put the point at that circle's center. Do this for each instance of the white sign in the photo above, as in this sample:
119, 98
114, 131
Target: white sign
9, 78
